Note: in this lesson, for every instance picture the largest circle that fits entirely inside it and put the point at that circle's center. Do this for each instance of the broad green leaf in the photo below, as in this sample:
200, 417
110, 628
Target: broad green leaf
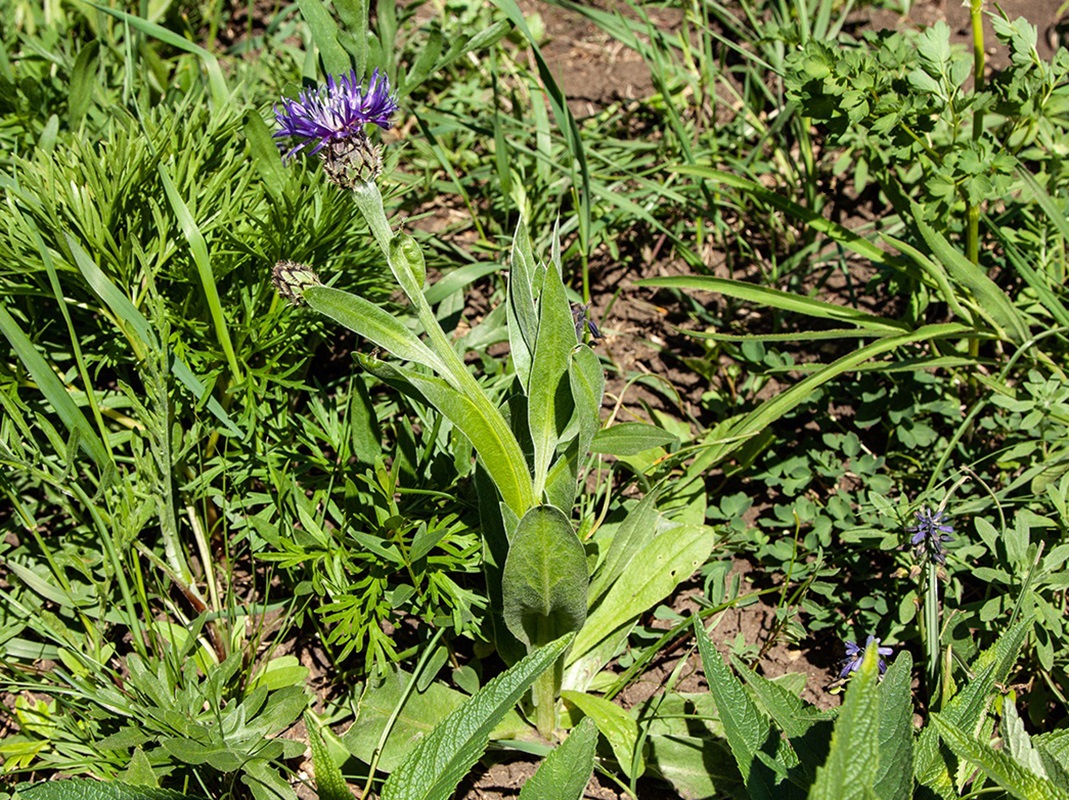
662, 564
998, 765
407, 263
1017, 742
324, 31
565, 772
894, 778
439, 762
850, 773
488, 432
630, 438
419, 716
773, 298
373, 323
696, 767
549, 392
616, 725
53, 390
992, 302
330, 784
967, 709
746, 729
635, 532
84, 789
544, 582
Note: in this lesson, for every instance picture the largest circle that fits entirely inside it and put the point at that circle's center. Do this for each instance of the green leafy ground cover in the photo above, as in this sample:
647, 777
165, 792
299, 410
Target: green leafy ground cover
427, 472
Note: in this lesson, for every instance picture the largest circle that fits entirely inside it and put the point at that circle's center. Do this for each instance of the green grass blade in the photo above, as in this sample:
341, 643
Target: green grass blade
440, 761
216, 81
785, 301
992, 302
832, 230
53, 390
199, 249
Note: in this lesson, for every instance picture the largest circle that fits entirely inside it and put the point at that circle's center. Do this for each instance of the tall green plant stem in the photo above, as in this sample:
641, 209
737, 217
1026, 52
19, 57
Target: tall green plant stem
972, 237
369, 201
931, 625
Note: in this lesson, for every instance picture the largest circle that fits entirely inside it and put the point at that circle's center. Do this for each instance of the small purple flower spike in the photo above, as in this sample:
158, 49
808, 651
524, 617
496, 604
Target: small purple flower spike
855, 654
336, 112
929, 535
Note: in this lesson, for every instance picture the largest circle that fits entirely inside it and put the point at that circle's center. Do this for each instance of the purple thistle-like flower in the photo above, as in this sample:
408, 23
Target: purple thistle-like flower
929, 535
855, 654
335, 113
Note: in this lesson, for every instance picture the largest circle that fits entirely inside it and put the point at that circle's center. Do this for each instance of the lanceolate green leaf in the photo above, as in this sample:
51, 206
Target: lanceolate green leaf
521, 312
615, 724
630, 438
894, 778
662, 564
439, 762
53, 390
996, 764
544, 582
325, 35
566, 771
852, 767
773, 298
549, 369
330, 784
373, 323
488, 432
637, 529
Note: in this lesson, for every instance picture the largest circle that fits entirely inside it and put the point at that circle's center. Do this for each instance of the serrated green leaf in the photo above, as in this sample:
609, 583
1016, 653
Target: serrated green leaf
438, 763
894, 778
330, 784
83, 789
999, 766
746, 729
565, 772
852, 767
967, 709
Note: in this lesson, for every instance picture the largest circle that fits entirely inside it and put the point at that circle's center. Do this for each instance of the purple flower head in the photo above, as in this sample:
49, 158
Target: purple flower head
336, 113
930, 534
855, 654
